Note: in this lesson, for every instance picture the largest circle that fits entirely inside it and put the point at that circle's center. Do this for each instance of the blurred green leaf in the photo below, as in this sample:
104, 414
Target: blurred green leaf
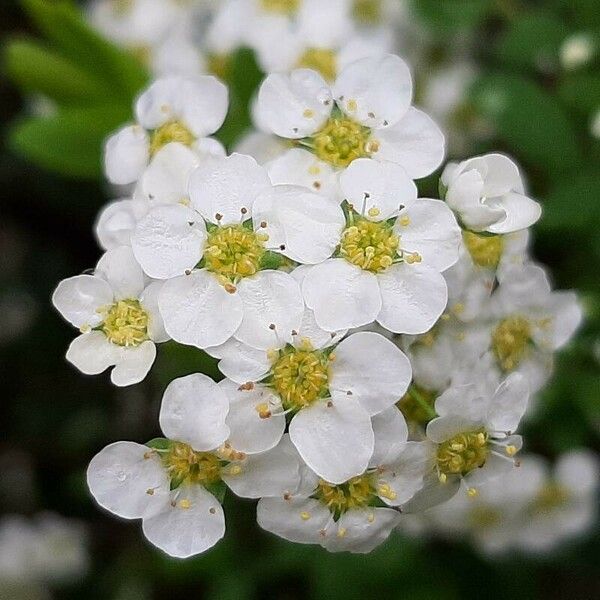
581, 92
69, 142
449, 16
529, 120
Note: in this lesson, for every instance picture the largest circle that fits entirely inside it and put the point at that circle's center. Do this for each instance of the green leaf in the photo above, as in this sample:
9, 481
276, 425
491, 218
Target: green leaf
581, 92
70, 142
448, 16
529, 120
218, 490
36, 68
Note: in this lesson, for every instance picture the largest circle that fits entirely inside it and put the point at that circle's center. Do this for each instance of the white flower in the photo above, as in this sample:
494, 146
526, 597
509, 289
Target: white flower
577, 50
488, 194
117, 221
345, 516
171, 483
390, 255
472, 438
331, 389
172, 109
221, 254
366, 113
116, 310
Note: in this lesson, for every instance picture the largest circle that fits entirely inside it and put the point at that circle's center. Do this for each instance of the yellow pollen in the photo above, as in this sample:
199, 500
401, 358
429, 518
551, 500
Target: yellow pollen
341, 141
126, 323
220, 65
341, 532
511, 450
308, 113
263, 410
472, 493
186, 465
285, 7
485, 250
374, 211
235, 470
482, 517
368, 245
462, 453
300, 376
174, 131
404, 220
351, 105
233, 252
510, 342
385, 491
305, 516
121, 7
357, 492
551, 497
185, 503
412, 257
371, 518
322, 60
368, 12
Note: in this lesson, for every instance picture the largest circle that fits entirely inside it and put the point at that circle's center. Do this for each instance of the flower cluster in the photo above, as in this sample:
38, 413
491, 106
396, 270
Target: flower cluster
378, 349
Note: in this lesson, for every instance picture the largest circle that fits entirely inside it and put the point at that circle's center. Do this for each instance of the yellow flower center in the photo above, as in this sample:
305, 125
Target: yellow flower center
122, 7
357, 492
234, 252
322, 60
220, 65
485, 250
369, 245
482, 517
417, 405
550, 497
510, 342
462, 453
185, 465
341, 141
126, 323
367, 11
300, 376
285, 7
173, 131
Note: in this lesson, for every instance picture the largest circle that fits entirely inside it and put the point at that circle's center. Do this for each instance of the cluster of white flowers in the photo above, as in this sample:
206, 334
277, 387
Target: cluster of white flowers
379, 349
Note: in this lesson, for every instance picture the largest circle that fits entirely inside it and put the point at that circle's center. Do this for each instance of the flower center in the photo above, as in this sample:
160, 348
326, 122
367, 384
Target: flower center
174, 131
462, 453
300, 376
220, 65
485, 250
342, 140
367, 11
357, 492
322, 60
510, 342
126, 323
482, 517
369, 245
550, 497
121, 7
286, 7
234, 252
185, 465
417, 405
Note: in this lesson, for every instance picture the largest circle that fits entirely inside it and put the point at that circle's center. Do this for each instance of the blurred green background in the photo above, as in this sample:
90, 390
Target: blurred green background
524, 101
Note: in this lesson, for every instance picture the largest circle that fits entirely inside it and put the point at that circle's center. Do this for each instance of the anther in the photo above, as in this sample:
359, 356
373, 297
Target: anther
218, 216
305, 516
230, 288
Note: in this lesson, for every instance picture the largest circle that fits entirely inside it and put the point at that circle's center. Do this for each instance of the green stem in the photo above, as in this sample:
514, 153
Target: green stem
416, 396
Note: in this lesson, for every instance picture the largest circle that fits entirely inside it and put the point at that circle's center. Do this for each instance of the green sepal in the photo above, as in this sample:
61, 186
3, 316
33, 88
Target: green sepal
176, 482
218, 490
442, 189
159, 443
271, 260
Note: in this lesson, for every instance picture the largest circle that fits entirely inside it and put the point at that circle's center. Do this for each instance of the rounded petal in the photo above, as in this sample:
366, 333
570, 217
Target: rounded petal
169, 240
335, 439
441, 429
371, 369
92, 353
122, 272
192, 523
159, 103
294, 105
378, 190
128, 479
78, 299
116, 222
133, 364
273, 308
198, 311
521, 212
240, 362
249, 431
204, 103
415, 142
578, 470
307, 225
227, 187
341, 295
413, 298
430, 228
508, 403
391, 433
375, 91
193, 410
126, 155
501, 174
149, 302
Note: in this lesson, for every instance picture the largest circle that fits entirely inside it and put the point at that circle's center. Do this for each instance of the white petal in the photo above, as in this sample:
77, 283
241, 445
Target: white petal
92, 353
121, 476
391, 433
369, 184
240, 362
204, 103
133, 364
126, 155
441, 429
565, 315
508, 404
149, 302
169, 240
197, 310
501, 174
183, 531
413, 298
79, 298
209, 146
376, 92
432, 231
249, 432
225, 186
269, 474
433, 493
295, 105
341, 295
521, 212
317, 337
306, 224
194, 410
116, 222
159, 103
415, 142
297, 520
463, 401
578, 471
270, 298
371, 369
335, 441
122, 272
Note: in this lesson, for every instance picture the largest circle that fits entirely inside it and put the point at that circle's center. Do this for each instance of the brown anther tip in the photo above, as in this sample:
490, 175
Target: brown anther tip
317, 185
272, 326
294, 332
263, 224
329, 404
350, 206
371, 114
188, 272
349, 393
265, 415
385, 123
517, 463
212, 510
230, 288
243, 210
150, 492
249, 385
282, 247
287, 496
322, 533
173, 503
218, 216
